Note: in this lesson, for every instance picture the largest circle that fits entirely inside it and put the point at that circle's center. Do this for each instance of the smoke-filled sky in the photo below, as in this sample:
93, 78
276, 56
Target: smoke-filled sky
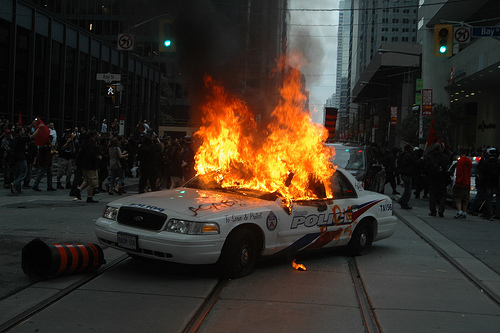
208, 44
320, 29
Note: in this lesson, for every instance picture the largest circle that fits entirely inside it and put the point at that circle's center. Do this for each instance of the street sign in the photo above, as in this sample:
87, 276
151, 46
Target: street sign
108, 77
419, 85
125, 42
394, 115
486, 32
418, 98
427, 102
462, 35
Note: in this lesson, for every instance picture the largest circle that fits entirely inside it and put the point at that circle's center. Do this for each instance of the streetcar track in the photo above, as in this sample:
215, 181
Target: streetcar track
468, 275
369, 318
202, 312
58, 296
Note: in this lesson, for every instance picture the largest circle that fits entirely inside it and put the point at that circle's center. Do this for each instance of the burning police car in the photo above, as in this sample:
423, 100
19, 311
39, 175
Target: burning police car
199, 224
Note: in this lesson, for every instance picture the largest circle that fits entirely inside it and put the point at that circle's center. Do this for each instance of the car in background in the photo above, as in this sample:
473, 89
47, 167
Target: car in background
453, 174
201, 223
351, 157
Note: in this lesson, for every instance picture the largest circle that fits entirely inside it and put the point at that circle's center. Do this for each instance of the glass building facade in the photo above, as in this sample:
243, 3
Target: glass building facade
49, 67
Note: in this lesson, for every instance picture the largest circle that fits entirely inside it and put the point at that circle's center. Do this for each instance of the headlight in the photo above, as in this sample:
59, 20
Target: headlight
110, 213
192, 228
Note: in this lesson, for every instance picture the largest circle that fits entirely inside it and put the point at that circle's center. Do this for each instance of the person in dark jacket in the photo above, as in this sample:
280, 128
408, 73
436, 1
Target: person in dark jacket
406, 164
67, 151
390, 168
90, 164
436, 164
19, 146
487, 179
147, 156
44, 162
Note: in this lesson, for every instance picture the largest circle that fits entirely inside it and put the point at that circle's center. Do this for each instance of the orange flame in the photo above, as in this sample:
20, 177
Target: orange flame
298, 267
287, 156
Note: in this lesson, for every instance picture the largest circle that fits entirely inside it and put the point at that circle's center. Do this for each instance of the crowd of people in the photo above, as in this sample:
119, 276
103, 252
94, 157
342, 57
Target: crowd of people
98, 159
428, 174
92, 159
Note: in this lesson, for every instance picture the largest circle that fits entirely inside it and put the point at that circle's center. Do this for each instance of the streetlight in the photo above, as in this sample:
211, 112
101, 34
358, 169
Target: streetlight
419, 55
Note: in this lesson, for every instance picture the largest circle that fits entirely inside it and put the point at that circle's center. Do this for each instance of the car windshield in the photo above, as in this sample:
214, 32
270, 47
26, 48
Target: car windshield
350, 158
208, 183
340, 185
474, 170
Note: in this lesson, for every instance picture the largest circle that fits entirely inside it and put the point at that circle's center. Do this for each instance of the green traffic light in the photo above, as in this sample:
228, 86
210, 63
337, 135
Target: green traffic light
167, 43
442, 49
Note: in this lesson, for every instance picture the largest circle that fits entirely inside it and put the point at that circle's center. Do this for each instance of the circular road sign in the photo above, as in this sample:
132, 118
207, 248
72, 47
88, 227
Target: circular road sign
462, 35
125, 42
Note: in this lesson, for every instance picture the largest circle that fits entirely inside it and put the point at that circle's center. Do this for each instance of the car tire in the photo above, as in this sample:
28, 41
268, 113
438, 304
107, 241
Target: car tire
361, 240
239, 254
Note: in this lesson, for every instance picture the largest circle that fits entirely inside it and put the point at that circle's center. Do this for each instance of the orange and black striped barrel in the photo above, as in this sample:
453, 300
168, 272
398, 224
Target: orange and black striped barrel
41, 260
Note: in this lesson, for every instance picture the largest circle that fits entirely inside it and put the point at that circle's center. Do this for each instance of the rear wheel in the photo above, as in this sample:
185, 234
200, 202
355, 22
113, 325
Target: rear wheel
239, 254
361, 240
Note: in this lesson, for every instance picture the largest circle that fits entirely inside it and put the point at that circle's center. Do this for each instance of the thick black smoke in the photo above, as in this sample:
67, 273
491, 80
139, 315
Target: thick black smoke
222, 39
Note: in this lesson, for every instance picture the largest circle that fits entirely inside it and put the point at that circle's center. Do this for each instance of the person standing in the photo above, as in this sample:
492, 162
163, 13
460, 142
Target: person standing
67, 151
92, 124
436, 164
53, 133
104, 127
488, 172
390, 168
147, 156
8, 158
115, 166
90, 165
406, 164
44, 162
461, 189
115, 127
188, 170
19, 145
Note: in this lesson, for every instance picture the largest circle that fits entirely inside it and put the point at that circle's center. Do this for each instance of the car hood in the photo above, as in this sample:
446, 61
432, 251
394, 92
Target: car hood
192, 203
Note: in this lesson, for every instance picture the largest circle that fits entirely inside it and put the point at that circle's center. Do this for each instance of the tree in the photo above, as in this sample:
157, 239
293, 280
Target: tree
445, 124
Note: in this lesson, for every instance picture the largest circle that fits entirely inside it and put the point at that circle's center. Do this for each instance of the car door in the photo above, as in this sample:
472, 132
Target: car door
316, 224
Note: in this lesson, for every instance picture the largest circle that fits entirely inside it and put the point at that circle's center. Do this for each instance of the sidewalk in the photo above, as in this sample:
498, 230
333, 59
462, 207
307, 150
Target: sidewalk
474, 235
28, 194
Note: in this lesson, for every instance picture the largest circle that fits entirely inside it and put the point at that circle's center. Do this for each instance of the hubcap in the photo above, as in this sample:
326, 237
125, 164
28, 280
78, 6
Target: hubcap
244, 256
362, 239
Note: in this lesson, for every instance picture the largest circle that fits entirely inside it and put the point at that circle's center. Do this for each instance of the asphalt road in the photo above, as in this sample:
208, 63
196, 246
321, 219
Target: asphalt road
434, 275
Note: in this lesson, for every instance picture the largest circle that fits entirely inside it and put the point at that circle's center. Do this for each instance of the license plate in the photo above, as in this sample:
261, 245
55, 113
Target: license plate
127, 241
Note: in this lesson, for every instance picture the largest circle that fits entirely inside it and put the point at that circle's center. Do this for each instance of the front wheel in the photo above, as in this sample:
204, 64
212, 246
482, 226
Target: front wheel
239, 254
361, 240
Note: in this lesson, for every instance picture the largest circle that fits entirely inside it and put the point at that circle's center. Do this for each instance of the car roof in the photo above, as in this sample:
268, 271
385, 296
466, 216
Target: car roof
345, 144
